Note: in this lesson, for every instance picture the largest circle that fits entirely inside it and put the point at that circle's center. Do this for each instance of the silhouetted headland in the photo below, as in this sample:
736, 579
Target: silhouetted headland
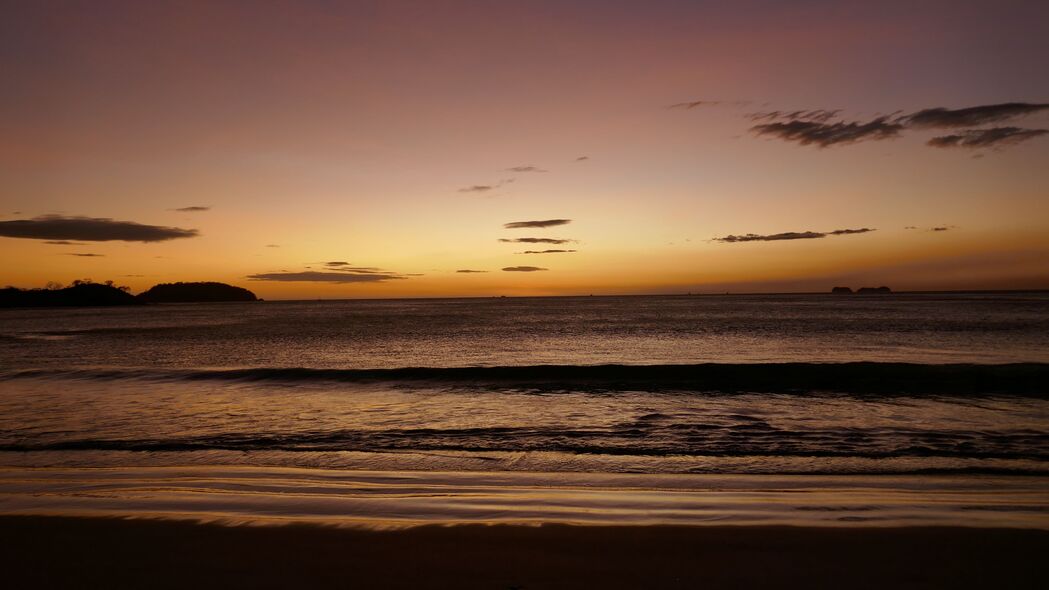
841, 291
80, 293
87, 293
207, 292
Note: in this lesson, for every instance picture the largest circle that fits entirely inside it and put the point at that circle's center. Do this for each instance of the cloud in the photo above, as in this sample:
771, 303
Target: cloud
273, 245
523, 269
804, 235
986, 138
535, 241
526, 169
815, 115
84, 255
693, 104
970, 117
943, 228
193, 209
546, 251
484, 188
323, 277
823, 134
90, 229
337, 263
468, 271
540, 223
63, 243
582, 158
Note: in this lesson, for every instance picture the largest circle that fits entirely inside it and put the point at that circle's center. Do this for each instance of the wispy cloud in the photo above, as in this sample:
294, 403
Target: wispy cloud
821, 128
538, 223
803, 235
825, 134
526, 169
693, 104
193, 209
943, 118
323, 277
582, 158
546, 251
90, 229
273, 245
85, 254
523, 269
470, 271
535, 241
484, 188
986, 138
63, 243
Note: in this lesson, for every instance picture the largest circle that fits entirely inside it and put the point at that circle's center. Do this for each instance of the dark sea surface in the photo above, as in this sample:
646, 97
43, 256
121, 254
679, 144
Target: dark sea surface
818, 386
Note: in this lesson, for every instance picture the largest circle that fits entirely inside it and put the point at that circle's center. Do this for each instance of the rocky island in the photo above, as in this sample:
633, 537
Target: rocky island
207, 292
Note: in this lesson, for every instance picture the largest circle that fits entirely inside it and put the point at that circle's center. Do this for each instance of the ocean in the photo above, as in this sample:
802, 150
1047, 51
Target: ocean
926, 408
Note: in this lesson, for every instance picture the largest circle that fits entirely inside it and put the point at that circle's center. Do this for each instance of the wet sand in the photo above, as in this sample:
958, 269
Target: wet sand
65, 552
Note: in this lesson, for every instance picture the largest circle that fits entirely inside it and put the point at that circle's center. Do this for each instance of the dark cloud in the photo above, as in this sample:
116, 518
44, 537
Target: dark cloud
523, 269
815, 115
970, 117
535, 241
804, 235
90, 229
846, 232
526, 169
337, 263
582, 158
63, 243
323, 277
468, 271
824, 134
693, 104
546, 251
273, 245
986, 138
911, 227
193, 209
941, 228
539, 223
84, 254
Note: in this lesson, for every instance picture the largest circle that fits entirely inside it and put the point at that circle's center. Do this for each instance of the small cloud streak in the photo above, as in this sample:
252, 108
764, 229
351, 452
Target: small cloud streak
484, 188
85, 254
469, 271
822, 134
986, 138
546, 251
557, 241
582, 158
804, 235
526, 169
970, 117
193, 209
273, 245
90, 229
63, 243
523, 269
693, 104
323, 277
539, 223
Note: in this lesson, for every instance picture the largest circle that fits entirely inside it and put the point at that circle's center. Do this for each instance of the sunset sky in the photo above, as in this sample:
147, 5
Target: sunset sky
374, 149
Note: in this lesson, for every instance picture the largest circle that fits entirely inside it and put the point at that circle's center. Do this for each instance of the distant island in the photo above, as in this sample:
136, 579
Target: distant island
88, 293
196, 293
861, 291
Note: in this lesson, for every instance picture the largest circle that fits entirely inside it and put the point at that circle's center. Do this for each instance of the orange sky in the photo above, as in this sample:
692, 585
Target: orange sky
318, 132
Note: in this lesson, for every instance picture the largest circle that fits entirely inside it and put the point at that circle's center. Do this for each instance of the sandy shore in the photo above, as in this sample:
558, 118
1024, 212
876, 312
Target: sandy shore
51, 552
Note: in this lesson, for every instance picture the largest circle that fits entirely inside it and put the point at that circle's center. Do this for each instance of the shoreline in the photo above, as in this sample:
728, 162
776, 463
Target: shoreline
47, 552
390, 499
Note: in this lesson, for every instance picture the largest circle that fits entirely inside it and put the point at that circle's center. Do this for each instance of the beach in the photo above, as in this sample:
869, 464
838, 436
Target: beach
48, 552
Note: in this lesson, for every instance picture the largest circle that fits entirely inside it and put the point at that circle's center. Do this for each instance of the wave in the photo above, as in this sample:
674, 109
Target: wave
1026, 379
